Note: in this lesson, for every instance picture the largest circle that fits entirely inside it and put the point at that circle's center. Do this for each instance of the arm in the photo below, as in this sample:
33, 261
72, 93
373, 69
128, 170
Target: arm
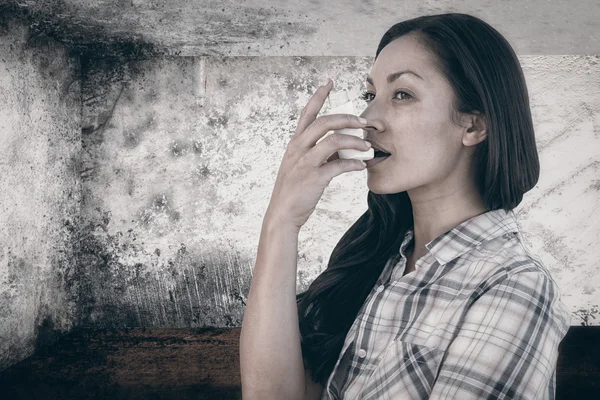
270, 354
507, 346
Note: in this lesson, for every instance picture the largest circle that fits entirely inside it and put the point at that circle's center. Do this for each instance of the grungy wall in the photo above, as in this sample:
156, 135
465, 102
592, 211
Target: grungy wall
306, 28
181, 154
180, 157
40, 190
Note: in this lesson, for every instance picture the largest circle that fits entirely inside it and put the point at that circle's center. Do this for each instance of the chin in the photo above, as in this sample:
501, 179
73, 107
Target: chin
381, 187
384, 185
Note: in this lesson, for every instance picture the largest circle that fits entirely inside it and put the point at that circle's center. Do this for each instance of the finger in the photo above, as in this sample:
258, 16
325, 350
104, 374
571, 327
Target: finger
334, 156
312, 108
331, 170
332, 144
323, 124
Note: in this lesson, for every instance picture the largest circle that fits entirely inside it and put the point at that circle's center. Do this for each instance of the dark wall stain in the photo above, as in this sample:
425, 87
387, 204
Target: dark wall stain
178, 148
177, 292
80, 27
46, 335
218, 120
203, 172
151, 95
197, 146
17, 268
133, 137
159, 204
223, 82
588, 316
53, 20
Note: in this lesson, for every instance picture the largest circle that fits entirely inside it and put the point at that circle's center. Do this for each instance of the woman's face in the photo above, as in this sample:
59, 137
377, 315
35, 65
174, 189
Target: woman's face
409, 117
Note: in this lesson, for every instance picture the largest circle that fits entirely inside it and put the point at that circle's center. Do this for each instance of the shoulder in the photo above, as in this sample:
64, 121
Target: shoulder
507, 255
510, 271
521, 277
517, 262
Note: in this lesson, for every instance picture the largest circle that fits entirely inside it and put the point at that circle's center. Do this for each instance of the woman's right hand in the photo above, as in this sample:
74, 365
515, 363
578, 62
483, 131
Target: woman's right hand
307, 166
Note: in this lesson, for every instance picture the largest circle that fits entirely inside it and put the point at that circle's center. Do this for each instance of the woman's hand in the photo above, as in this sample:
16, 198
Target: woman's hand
307, 166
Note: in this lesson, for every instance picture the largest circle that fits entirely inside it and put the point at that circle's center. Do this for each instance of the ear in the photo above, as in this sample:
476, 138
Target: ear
476, 129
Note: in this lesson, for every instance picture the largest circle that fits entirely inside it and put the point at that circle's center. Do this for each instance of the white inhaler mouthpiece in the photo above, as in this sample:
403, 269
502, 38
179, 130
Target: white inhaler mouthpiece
341, 104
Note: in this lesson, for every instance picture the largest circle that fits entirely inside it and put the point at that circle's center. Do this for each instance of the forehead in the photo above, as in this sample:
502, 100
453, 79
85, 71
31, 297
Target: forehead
404, 53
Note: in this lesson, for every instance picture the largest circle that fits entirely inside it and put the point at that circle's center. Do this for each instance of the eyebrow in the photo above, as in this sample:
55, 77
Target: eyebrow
392, 77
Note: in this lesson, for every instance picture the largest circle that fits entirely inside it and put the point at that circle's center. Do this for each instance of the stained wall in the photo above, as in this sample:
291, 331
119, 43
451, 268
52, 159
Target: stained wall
183, 154
40, 190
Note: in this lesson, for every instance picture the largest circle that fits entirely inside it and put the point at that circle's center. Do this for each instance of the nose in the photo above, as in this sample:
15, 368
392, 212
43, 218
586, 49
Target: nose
374, 124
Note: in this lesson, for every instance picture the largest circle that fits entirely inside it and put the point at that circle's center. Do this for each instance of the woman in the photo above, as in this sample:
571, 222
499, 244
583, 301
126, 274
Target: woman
431, 293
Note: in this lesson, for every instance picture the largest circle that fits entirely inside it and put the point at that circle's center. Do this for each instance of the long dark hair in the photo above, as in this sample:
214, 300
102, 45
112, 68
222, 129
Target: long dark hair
487, 78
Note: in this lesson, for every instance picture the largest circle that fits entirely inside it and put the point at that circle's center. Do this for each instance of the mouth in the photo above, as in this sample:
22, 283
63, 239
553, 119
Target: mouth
379, 157
380, 153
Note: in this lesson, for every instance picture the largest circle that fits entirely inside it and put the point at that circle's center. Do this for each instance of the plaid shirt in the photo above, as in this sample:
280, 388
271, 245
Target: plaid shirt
479, 318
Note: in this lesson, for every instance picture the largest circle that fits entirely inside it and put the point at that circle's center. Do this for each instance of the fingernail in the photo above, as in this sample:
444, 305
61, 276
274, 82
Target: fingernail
368, 144
362, 120
327, 83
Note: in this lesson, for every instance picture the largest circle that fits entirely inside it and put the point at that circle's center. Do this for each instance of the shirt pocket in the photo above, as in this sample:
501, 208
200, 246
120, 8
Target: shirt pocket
405, 371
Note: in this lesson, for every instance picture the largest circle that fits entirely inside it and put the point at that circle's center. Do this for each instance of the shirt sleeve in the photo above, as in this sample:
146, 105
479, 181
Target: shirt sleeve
507, 344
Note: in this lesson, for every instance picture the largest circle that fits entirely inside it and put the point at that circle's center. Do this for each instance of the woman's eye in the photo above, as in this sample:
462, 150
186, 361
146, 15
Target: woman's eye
366, 96
401, 92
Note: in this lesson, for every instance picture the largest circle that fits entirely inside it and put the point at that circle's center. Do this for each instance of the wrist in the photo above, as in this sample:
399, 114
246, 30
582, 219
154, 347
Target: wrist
273, 220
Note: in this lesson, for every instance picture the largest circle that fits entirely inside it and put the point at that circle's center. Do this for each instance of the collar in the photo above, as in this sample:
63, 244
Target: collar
470, 234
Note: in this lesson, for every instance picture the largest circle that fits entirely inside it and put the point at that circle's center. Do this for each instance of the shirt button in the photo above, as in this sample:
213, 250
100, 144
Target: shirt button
362, 353
380, 288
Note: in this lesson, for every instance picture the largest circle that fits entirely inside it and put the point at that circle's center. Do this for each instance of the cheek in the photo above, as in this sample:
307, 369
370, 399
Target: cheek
422, 139
429, 145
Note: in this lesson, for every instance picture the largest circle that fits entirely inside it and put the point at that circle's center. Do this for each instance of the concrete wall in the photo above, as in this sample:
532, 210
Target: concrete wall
40, 190
181, 171
306, 28
180, 157
560, 216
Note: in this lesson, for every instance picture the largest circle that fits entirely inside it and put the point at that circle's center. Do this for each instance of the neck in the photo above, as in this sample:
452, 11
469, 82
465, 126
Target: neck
436, 212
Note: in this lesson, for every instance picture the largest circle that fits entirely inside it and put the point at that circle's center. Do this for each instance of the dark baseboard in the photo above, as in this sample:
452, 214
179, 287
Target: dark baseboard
203, 363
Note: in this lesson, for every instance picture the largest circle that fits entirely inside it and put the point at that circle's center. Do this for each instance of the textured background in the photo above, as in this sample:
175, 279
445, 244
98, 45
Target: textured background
302, 28
190, 182
40, 187
140, 145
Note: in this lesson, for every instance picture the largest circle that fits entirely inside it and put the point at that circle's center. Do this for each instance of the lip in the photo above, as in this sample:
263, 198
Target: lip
376, 160
376, 146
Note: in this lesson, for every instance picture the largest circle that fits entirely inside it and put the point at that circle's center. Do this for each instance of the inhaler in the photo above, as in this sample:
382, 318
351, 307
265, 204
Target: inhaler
340, 104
